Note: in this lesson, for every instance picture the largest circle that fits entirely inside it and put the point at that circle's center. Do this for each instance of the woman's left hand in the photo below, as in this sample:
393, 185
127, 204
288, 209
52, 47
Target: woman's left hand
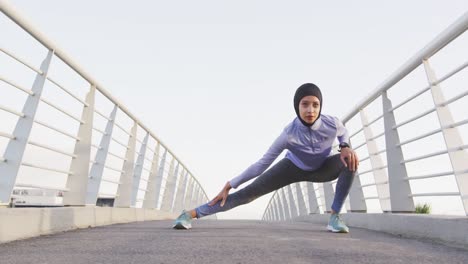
349, 158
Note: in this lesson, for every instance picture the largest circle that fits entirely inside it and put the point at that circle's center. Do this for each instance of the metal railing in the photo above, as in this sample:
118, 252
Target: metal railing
144, 173
388, 173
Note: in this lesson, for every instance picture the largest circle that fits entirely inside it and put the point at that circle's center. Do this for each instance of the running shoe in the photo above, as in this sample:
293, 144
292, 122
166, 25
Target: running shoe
337, 225
184, 221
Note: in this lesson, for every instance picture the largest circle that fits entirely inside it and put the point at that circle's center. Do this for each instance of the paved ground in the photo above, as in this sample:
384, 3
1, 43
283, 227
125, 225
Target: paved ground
214, 241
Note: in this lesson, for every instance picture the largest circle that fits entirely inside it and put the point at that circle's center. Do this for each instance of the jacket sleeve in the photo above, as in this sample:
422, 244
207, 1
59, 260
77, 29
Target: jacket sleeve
341, 132
260, 166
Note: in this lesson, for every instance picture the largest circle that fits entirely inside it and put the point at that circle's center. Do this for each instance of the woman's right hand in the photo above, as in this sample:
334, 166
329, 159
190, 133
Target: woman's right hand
222, 195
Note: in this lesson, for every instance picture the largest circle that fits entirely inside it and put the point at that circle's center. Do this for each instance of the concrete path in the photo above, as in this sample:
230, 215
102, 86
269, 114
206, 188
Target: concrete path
213, 241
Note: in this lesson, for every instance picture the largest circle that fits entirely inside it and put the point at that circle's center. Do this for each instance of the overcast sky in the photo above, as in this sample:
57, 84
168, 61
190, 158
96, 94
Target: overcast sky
215, 79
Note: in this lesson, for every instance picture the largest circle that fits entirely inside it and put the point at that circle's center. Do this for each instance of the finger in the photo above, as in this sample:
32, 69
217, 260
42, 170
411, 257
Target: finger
343, 161
356, 161
351, 162
214, 201
224, 200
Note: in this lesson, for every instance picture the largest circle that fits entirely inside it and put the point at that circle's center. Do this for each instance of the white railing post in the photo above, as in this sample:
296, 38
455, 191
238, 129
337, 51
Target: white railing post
280, 206
95, 174
312, 197
277, 208
200, 199
169, 189
400, 190
188, 194
159, 178
292, 203
15, 149
150, 195
300, 199
459, 159
329, 195
124, 191
287, 212
179, 200
357, 204
78, 182
138, 170
380, 175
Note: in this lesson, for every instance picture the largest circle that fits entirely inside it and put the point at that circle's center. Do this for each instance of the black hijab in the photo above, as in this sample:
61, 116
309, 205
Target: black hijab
305, 90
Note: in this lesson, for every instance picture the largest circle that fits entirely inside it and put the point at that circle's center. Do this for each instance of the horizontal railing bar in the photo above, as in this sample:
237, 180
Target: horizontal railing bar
419, 137
373, 121
435, 194
371, 198
374, 184
108, 195
117, 156
460, 123
458, 97
141, 189
61, 110
368, 184
364, 159
11, 111
100, 131
378, 152
434, 175
114, 169
149, 160
376, 169
138, 140
148, 148
357, 132
56, 129
145, 180
457, 124
360, 145
123, 129
103, 115
10, 136
437, 153
21, 61
424, 156
45, 168
414, 118
111, 181
51, 149
425, 89
120, 143
41, 187
377, 136
96, 146
67, 91
450, 74
17, 86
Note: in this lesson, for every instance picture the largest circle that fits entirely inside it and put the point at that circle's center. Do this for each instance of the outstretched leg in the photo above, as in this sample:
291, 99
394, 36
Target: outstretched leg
280, 175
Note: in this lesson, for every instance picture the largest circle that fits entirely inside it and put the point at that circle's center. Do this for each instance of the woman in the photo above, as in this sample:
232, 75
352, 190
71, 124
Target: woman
308, 139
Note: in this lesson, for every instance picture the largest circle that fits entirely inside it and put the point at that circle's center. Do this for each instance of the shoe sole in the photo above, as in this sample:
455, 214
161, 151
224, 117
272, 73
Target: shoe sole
181, 226
330, 228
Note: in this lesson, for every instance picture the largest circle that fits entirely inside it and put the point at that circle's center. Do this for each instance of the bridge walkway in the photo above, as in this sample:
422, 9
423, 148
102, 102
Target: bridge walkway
226, 241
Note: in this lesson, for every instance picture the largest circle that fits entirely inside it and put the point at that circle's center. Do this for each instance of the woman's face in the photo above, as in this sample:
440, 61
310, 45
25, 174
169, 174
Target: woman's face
309, 108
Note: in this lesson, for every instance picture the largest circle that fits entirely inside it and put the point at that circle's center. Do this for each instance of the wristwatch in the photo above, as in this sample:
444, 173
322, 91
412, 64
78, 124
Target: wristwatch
343, 145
